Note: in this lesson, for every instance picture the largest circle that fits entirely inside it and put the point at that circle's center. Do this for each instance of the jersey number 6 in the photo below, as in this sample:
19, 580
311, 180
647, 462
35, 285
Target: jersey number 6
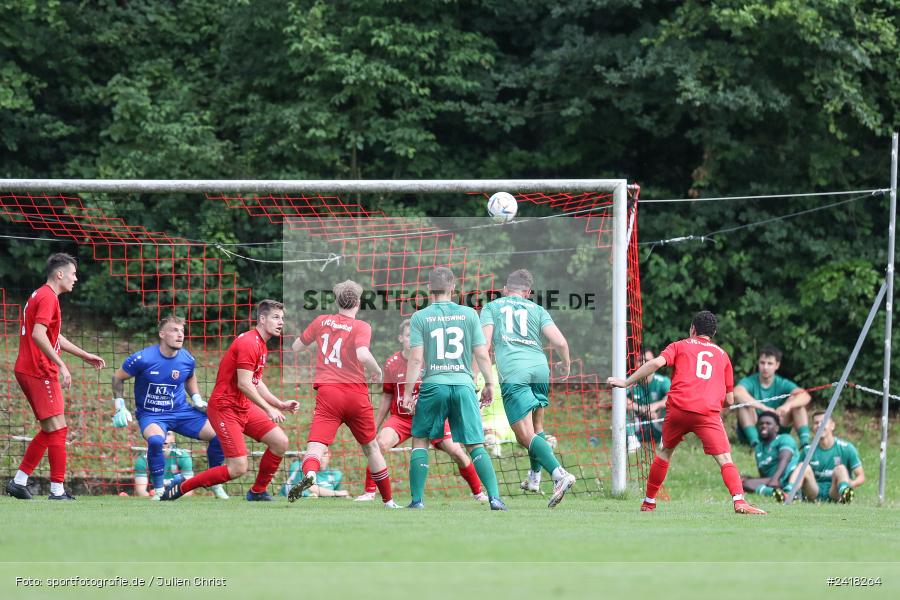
704, 369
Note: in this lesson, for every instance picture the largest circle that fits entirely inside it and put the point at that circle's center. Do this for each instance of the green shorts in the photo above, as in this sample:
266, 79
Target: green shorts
519, 399
456, 403
824, 489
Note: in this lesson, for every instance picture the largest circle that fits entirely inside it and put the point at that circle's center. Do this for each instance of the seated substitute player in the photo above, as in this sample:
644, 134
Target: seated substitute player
443, 338
776, 457
241, 404
398, 427
515, 327
648, 403
163, 376
38, 369
702, 384
178, 462
328, 481
342, 394
835, 469
756, 389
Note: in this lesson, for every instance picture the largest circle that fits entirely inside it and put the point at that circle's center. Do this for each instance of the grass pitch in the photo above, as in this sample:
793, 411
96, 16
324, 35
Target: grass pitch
693, 546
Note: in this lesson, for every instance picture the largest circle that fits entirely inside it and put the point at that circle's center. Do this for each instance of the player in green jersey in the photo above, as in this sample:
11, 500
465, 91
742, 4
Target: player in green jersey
835, 469
515, 327
443, 338
755, 390
776, 457
647, 402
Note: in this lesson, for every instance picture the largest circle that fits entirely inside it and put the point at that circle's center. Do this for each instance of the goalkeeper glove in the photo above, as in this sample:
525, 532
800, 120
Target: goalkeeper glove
199, 402
122, 416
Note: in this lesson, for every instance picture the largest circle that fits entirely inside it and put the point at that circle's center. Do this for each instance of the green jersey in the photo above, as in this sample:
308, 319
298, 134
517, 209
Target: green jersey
779, 386
327, 479
448, 333
177, 461
767, 455
656, 390
824, 460
517, 338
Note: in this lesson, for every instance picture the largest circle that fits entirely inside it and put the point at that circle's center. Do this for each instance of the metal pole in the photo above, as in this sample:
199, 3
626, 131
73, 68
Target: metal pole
888, 322
798, 483
620, 334
331, 186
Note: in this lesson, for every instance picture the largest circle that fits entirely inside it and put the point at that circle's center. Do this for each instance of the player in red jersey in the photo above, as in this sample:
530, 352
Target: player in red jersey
342, 394
38, 370
397, 428
241, 404
702, 385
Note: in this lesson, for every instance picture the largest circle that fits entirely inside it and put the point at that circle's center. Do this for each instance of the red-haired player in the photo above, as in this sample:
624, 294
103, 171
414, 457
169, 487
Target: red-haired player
702, 384
342, 394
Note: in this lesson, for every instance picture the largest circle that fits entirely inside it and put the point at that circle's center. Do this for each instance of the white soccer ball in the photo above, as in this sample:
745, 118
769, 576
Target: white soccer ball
503, 207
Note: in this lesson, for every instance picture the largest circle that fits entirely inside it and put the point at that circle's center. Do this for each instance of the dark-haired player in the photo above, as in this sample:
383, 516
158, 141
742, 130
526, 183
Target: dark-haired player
241, 404
776, 457
702, 384
38, 370
342, 394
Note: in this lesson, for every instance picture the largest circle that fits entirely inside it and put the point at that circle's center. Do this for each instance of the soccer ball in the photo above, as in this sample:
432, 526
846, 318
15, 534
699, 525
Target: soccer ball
503, 207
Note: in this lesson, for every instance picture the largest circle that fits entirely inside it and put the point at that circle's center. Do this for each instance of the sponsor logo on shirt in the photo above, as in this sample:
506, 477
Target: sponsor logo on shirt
175, 374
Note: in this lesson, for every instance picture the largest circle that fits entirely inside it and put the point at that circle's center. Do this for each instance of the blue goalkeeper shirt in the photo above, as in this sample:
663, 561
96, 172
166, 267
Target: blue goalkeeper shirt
159, 380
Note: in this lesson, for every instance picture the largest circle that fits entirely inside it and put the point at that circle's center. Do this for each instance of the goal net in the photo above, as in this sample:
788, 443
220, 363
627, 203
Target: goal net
313, 240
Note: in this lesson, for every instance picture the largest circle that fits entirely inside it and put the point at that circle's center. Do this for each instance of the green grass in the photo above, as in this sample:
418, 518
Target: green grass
692, 546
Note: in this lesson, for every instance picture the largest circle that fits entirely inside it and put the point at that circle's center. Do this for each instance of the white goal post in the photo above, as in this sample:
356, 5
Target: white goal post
617, 187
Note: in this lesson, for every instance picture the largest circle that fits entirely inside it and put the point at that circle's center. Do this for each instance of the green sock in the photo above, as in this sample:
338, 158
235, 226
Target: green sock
541, 451
485, 469
752, 435
535, 464
803, 434
787, 489
764, 490
842, 486
418, 472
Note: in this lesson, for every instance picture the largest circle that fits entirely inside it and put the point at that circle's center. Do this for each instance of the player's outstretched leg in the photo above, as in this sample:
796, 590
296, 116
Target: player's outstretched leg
216, 457
310, 466
485, 468
173, 491
732, 479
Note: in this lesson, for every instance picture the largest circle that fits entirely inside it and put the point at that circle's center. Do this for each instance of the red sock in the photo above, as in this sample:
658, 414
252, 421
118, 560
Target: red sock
310, 463
56, 453
34, 453
206, 478
732, 479
471, 476
370, 483
383, 481
657, 475
268, 465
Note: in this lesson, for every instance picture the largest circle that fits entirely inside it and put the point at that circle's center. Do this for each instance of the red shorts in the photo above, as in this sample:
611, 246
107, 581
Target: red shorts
44, 395
232, 423
337, 404
403, 427
708, 427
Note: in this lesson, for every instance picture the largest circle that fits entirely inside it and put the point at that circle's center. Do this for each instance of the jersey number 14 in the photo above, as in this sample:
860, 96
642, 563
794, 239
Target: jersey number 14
334, 358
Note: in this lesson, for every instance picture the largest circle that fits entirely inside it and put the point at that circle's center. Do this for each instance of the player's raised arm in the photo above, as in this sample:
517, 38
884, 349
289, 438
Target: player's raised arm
248, 388
92, 359
561, 346
648, 368
123, 415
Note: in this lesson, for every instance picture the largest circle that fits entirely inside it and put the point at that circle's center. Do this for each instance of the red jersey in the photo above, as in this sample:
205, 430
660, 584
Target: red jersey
248, 351
43, 308
395, 384
338, 337
702, 375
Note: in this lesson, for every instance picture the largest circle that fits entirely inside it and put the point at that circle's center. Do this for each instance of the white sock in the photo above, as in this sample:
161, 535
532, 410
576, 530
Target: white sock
650, 500
536, 475
313, 475
56, 489
737, 497
21, 478
559, 473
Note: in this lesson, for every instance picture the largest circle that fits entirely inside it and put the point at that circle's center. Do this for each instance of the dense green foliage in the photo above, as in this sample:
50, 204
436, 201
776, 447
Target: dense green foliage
689, 99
